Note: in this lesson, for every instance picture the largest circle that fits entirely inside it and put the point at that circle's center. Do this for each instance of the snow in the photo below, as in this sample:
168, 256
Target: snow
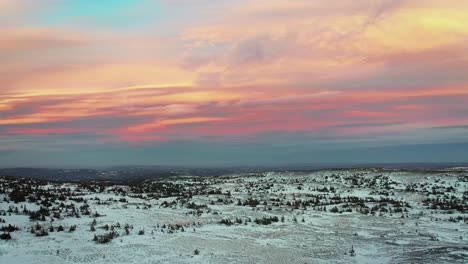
323, 237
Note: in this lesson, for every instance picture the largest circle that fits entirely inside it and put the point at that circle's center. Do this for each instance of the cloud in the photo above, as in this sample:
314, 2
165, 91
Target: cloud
332, 43
452, 127
34, 39
296, 73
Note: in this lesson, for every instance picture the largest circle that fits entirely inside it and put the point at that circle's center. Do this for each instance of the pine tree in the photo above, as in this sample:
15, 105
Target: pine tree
352, 252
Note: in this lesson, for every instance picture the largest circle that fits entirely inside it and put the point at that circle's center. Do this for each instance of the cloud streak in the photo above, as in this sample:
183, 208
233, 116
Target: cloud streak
234, 72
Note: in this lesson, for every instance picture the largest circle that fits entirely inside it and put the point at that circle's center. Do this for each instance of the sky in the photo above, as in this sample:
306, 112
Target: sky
232, 82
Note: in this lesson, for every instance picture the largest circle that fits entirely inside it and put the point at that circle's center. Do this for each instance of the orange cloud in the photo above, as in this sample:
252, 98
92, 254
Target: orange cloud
264, 67
158, 124
46, 131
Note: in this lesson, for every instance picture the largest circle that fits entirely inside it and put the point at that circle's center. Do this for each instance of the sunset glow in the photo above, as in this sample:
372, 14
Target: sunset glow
253, 77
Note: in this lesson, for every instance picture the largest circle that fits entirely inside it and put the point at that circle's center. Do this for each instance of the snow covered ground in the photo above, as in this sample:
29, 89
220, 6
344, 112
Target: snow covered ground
386, 216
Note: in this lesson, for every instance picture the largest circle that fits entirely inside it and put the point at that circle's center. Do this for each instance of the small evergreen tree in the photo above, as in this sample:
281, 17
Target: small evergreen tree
352, 252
